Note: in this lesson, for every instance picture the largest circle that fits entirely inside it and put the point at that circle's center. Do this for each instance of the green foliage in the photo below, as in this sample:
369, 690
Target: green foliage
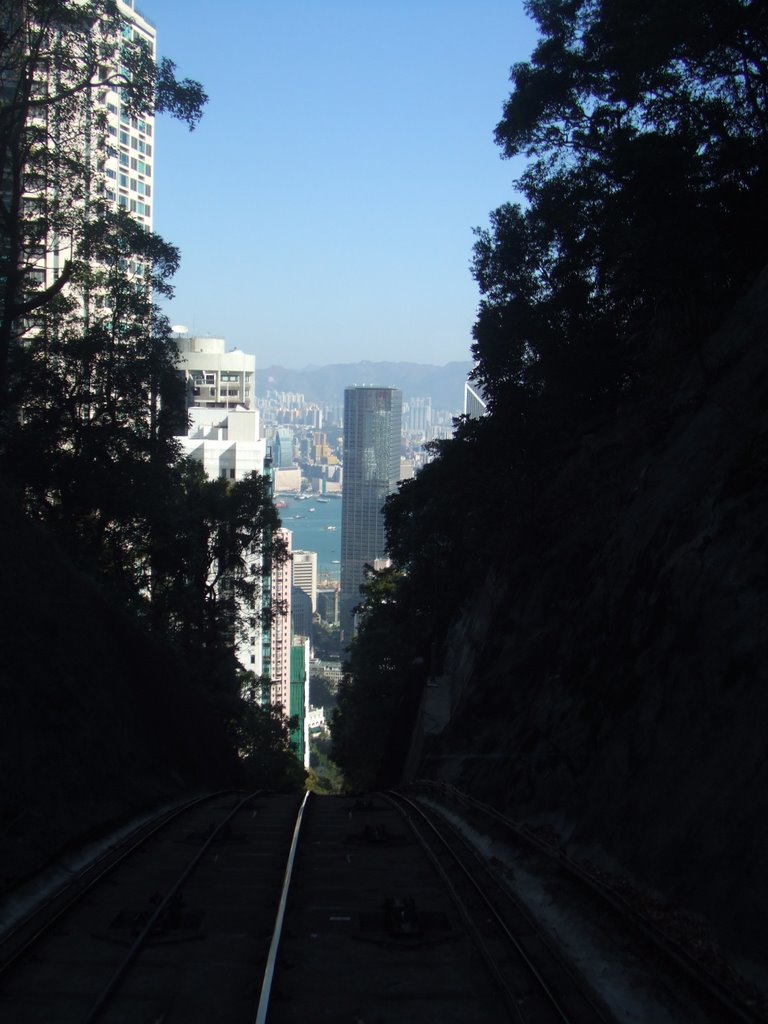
326, 639
371, 724
325, 777
262, 737
321, 691
645, 208
57, 57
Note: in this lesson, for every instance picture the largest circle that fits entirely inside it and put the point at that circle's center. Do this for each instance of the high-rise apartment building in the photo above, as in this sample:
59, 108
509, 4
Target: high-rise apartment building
92, 152
372, 431
215, 378
280, 673
129, 151
223, 436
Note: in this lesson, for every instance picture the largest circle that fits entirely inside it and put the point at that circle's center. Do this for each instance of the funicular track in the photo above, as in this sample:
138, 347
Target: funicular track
697, 993
538, 984
177, 928
274, 910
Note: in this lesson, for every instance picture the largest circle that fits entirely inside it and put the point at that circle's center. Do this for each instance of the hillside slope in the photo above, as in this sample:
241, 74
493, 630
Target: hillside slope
610, 679
325, 384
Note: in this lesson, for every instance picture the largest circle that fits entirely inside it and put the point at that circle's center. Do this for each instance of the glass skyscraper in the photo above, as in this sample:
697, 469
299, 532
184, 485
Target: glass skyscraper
372, 429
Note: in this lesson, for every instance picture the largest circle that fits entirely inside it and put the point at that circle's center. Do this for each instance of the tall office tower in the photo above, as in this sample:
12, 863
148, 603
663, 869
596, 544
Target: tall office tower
304, 592
475, 404
283, 448
305, 575
372, 431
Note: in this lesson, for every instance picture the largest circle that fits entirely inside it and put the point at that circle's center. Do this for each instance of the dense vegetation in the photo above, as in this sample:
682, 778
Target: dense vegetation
90, 400
642, 218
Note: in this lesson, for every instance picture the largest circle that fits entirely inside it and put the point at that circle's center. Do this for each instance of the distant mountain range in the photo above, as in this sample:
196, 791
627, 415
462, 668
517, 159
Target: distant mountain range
325, 384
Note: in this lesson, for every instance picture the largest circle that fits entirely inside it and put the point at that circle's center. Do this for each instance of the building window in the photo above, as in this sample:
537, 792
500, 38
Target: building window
124, 138
123, 159
123, 180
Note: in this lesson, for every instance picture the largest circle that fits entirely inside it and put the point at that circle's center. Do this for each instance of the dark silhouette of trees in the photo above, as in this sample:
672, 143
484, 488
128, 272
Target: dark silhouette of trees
90, 398
372, 717
642, 218
644, 204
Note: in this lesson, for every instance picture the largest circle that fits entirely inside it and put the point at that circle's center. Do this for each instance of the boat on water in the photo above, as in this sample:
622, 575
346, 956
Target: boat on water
313, 510
324, 501
330, 528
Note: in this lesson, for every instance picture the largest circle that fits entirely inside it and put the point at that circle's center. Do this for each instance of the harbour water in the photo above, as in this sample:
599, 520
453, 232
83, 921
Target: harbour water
316, 526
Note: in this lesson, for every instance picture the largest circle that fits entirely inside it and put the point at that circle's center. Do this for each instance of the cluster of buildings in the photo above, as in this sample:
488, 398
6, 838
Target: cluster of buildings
227, 437
359, 450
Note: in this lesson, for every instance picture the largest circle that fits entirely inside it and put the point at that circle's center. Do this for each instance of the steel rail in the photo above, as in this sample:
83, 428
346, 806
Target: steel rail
711, 984
269, 970
76, 888
544, 987
112, 985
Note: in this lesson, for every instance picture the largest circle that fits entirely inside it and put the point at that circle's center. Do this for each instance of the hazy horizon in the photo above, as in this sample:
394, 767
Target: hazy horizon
324, 208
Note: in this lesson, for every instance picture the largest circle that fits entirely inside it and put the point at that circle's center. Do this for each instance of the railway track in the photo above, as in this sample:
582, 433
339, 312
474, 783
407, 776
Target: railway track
537, 982
277, 910
236, 910
703, 994
175, 928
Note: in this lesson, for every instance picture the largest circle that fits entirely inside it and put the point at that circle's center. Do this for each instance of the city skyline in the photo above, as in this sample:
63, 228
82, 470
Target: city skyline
324, 207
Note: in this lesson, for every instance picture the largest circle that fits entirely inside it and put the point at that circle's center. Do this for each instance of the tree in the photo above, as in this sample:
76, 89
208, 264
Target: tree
645, 203
89, 396
207, 556
263, 740
57, 59
370, 727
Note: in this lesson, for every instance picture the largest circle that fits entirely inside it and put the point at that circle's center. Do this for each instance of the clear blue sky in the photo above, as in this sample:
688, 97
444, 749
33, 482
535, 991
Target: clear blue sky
324, 207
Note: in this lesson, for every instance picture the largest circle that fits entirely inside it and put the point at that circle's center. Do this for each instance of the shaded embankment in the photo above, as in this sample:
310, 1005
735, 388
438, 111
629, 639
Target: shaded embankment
97, 720
610, 678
